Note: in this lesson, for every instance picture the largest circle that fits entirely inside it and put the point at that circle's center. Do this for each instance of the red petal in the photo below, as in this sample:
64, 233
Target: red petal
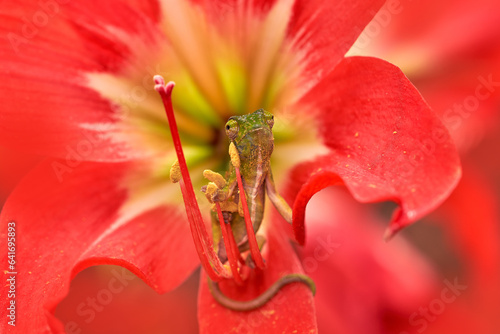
49, 122
322, 31
467, 107
427, 30
362, 281
44, 99
471, 218
325, 30
64, 227
451, 73
128, 15
97, 22
474, 201
219, 8
386, 144
291, 309
12, 169
129, 307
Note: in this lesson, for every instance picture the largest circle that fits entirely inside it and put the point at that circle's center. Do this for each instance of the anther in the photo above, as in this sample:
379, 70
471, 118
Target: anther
235, 157
175, 172
215, 178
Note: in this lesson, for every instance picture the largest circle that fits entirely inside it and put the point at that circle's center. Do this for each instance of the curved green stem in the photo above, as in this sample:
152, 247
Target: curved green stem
249, 305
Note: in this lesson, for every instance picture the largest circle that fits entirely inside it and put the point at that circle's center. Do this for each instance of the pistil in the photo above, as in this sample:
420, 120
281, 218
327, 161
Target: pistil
203, 243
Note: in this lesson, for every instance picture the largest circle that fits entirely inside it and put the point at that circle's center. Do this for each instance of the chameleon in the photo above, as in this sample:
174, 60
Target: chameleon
252, 143
238, 201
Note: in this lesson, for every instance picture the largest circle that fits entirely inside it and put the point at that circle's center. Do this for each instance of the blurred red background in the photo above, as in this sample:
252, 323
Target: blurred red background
450, 50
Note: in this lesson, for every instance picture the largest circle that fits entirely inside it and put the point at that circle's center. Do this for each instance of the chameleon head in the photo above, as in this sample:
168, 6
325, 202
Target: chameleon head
252, 135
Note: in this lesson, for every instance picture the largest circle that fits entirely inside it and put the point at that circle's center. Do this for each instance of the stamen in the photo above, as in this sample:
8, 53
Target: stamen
252, 240
203, 243
232, 244
231, 256
210, 191
200, 247
215, 178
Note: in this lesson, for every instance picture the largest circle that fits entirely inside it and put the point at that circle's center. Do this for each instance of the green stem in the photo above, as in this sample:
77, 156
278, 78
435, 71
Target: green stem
249, 305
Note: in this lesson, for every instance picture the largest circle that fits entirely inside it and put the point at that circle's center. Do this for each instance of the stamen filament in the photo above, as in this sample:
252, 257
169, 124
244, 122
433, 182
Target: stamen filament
252, 240
234, 247
200, 247
203, 243
231, 256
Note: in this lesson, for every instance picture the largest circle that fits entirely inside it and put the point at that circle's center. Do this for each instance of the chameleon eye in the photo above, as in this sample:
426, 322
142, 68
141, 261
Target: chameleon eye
232, 129
270, 121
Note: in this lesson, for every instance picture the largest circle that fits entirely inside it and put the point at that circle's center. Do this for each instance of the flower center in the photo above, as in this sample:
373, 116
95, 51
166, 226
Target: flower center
227, 65
223, 66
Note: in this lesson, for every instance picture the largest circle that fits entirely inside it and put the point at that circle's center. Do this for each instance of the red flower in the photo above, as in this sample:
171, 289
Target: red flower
458, 75
77, 88
450, 51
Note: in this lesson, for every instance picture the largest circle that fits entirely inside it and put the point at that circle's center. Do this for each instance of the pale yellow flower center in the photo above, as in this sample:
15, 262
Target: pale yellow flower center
224, 66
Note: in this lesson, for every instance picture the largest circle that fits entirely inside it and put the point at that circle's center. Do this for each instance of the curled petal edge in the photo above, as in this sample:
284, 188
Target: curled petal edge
322, 179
